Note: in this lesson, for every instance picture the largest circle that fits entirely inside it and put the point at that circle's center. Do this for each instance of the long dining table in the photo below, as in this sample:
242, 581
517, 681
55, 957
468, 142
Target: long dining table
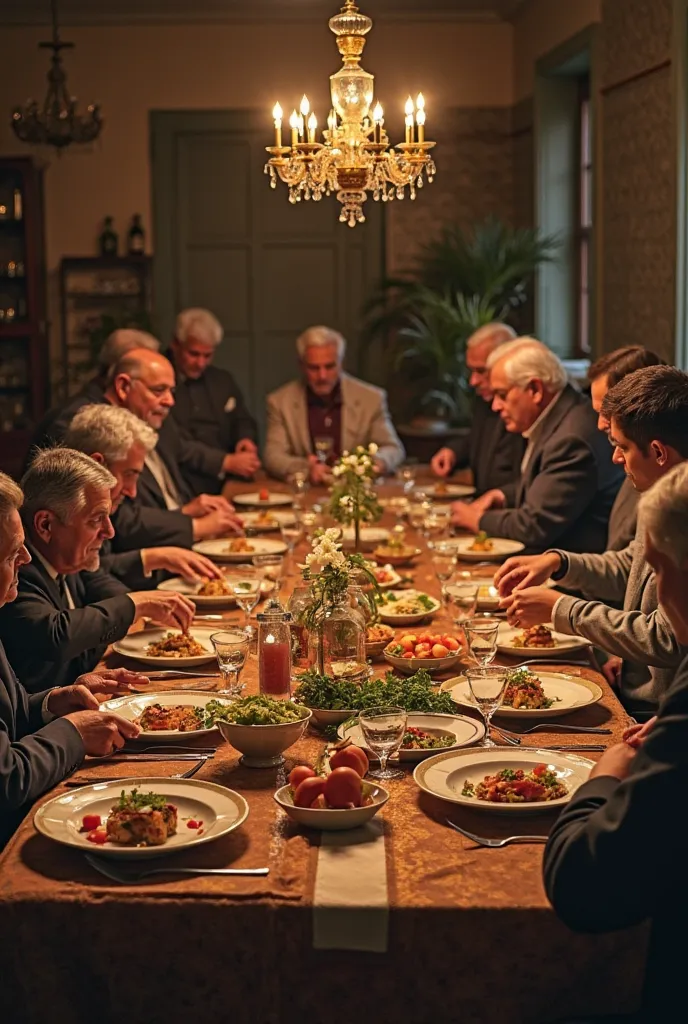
445, 931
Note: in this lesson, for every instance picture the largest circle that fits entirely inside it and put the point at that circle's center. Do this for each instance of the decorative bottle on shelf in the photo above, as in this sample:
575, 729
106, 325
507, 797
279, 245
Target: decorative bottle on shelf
136, 238
108, 239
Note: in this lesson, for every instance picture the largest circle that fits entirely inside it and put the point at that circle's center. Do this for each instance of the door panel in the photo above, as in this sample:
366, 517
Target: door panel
266, 267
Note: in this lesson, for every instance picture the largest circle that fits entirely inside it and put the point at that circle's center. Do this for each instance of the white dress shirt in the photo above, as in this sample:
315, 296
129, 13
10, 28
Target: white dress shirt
533, 432
164, 481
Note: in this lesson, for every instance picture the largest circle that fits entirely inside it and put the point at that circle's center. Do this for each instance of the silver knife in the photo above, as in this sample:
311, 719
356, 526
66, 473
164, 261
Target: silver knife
571, 746
174, 673
124, 756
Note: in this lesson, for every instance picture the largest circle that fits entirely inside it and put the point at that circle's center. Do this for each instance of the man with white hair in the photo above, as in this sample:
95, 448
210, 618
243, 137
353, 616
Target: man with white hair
616, 856
209, 405
68, 610
120, 441
328, 412
568, 481
489, 450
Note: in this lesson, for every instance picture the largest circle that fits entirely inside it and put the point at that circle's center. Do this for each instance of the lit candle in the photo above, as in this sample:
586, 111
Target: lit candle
302, 131
294, 125
275, 667
332, 122
277, 114
312, 126
409, 120
420, 117
378, 121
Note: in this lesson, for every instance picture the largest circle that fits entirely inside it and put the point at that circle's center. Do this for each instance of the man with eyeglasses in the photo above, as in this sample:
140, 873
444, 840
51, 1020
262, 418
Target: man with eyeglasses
489, 450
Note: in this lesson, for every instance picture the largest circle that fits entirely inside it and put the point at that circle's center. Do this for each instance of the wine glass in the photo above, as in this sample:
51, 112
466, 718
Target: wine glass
310, 521
231, 650
481, 638
464, 598
399, 506
291, 532
444, 564
246, 589
383, 728
323, 448
487, 686
270, 567
417, 513
408, 478
434, 527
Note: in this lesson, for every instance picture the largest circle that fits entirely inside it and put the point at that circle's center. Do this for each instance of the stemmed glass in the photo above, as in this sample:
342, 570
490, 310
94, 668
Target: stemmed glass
417, 514
245, 586
464, 598
291, 532
481, 637
434, 526
231, 650
408, 478
323, 448
487, 686
383, 728
444, 564
270, 567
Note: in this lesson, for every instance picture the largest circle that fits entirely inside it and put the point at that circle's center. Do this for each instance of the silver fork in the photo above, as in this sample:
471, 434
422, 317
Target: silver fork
116, 778
126, 877
493, 844
515, 741
555, 728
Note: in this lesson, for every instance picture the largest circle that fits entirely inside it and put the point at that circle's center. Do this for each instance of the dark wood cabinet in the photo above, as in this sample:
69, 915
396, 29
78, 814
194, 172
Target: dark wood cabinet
24, 352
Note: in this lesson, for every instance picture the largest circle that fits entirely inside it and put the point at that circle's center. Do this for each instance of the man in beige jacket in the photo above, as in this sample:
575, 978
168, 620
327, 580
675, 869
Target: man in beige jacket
328, 412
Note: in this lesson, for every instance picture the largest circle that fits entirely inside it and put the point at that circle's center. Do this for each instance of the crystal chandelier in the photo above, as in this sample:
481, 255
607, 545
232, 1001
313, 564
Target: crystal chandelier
57, 123
354, 157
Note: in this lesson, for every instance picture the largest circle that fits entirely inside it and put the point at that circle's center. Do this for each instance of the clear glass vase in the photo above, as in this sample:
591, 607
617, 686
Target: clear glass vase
337, 645
298, 604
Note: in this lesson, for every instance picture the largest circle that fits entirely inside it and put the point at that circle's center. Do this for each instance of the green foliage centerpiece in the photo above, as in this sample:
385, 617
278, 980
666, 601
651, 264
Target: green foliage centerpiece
354, 500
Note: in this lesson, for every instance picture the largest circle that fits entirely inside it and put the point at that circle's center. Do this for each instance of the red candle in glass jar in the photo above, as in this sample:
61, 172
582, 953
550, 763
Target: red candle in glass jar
274, 666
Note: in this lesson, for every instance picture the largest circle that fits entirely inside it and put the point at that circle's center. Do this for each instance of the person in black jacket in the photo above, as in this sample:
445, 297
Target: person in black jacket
209, 405
68, 610
489, 450
616, 856
45, 736
568, 481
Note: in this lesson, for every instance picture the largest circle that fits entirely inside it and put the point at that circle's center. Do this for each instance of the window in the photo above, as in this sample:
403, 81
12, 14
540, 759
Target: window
584, 219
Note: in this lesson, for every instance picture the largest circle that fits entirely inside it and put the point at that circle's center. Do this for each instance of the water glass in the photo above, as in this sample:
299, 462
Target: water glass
408, 478
270, 568
417, 514
464, 598
481, 638
323, 448
291, 534
487, 686
299, 483
434, 527
231, 650
246, 589
383, 728
310, 521
444, 564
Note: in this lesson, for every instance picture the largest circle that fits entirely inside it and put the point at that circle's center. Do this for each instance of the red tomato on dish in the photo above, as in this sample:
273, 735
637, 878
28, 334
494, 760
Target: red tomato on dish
91, 822
350, 757
539, 769
343, 787
298, 774
98, 836
309, 790
451, 643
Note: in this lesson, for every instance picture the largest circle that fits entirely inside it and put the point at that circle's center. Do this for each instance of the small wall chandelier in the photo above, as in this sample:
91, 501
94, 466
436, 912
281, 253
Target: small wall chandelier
57, 123
354, 157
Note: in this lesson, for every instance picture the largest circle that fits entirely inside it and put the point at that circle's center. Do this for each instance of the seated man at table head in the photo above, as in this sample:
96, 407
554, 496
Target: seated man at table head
209, 404
326, 411
120, 441
647, 413
603, 374
46, 735
616, 856
489, 450
68, 609
568, 481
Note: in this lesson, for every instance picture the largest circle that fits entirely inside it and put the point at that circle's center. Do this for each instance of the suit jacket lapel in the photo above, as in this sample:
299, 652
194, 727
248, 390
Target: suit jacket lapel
561, 409
302, 433
350, 415
49, 583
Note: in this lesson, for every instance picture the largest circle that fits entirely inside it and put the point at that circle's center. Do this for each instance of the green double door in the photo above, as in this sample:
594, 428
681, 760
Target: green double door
267, 268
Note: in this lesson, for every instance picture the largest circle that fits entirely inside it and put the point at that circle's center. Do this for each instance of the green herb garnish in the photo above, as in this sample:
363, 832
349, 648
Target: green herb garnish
136, 801
415, 693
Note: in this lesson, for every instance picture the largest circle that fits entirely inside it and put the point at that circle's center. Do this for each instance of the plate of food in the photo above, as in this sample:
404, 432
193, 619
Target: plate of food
263, 498
482, 548
435, 652
157, 817
267, 520
370, 537
171, 715
406, 607
239, 549
377, 638
504, 780
538, 642
534, 695
448, 492
210, 593
425, 735
396, 553
168, 648
385, 575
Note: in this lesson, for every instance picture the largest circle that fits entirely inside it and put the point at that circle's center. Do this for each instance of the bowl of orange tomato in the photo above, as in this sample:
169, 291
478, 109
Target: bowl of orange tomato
435, 652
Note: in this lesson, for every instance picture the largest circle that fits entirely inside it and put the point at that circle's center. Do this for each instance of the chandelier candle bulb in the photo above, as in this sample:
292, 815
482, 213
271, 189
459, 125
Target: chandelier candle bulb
277, 114
378, 121
312, 127
420, 116
294, 125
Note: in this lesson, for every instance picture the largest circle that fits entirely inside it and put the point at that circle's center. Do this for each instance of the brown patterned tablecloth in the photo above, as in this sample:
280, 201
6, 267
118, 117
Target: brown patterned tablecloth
472, 938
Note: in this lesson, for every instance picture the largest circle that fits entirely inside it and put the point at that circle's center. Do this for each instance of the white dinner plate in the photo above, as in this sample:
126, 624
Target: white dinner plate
253, 498
220, 809
568, 692
563, 644
267, 521
370, 536
133, 705
392, 618
502, 548
444, 775
391, 576
466, 731
181, 586
135, 645
218, 549
451, 492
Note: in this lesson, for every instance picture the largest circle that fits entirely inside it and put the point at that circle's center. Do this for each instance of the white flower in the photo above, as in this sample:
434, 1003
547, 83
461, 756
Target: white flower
360, 470
372, 448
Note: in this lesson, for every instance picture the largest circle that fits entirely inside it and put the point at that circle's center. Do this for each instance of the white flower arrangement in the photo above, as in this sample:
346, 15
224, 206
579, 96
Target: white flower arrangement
354, 500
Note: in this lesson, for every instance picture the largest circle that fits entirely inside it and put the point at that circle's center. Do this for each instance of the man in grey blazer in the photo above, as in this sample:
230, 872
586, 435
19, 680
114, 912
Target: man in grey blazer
648, 416
326, 411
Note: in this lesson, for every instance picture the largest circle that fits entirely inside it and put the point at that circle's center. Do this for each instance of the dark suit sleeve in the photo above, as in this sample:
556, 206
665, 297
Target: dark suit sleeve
461, 446
141, 526
199, 457
609, 856
557, 497
240, 423
127, 567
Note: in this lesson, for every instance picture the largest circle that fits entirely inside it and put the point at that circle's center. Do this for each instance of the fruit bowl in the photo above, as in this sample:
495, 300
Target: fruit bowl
411, 665
262, 745
330, 819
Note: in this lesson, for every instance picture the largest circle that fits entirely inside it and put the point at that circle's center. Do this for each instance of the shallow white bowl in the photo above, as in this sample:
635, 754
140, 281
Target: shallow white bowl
330, 819
322, 716
411, 665
263, 745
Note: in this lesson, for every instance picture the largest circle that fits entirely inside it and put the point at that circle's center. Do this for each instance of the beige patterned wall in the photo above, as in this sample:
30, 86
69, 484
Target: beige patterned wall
638, 197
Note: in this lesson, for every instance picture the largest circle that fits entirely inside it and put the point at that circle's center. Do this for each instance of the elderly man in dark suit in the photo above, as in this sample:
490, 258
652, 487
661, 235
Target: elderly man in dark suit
67, 609
209, 405
616, 856
492, 453
45, 736
568, 481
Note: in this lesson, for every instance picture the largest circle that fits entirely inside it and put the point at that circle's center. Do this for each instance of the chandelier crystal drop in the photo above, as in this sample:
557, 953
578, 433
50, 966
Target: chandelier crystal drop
57, 123
354, 157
